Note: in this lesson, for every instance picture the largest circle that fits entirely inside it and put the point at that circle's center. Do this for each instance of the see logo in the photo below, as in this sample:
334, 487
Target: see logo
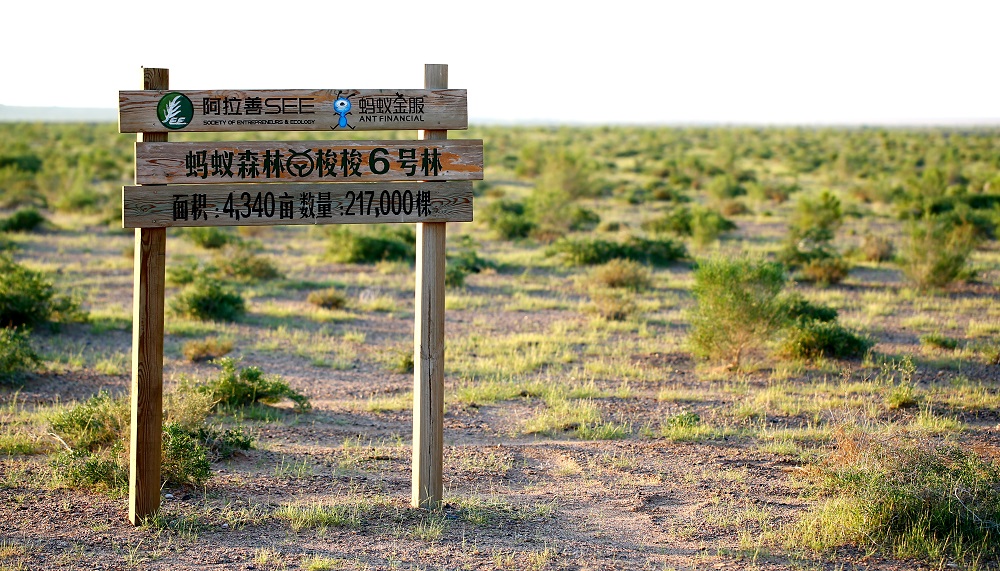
175, 111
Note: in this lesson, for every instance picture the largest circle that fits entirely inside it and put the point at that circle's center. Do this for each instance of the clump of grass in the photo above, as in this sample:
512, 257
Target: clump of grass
250, 385
23, 220
592, 251
16, 355
330, 298
320, 516
922, 499
613, 305
208, 299
738, 308
939, 341
877, 248
104, 469
99, 421
207, 349
625, 274
28, 299
372, 244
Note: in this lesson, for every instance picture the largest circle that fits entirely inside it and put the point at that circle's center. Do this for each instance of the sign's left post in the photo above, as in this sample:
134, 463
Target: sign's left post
147, 350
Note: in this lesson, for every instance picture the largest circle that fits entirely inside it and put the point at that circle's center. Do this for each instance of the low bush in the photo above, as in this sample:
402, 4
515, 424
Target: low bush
372, 244
198, 350
185, 459
939, 341
208, 299
105, 469
464, 262
28, 299
23, 220
508, 219
250, 385
240, 263
626, 274
211, 237
16, 355
937, 252
591, 251
799, 309
935, 501
738, 307
824, 270
811, 339
330, 298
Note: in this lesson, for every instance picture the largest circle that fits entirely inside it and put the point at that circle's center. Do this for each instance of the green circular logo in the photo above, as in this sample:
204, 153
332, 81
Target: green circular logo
175, 111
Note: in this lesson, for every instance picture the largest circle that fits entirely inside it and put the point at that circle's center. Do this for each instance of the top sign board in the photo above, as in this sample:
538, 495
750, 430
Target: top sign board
162, 111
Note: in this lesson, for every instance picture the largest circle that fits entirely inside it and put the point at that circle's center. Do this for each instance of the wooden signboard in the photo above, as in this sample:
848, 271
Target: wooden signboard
291, 110
299, 182
285, 204
308, 161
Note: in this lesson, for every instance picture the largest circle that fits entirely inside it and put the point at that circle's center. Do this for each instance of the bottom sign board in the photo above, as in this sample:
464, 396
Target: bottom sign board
291, 204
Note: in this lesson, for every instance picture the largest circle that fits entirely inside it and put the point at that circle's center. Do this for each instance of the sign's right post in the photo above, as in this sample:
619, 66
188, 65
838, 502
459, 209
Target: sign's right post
428, 342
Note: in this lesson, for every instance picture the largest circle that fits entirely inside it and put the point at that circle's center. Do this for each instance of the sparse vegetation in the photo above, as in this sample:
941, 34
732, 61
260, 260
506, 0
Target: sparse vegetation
208, 299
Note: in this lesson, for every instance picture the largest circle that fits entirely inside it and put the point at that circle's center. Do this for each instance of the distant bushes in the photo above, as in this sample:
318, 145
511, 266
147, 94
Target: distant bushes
704, 225
16, 355
592, 251
371, 244
809, 247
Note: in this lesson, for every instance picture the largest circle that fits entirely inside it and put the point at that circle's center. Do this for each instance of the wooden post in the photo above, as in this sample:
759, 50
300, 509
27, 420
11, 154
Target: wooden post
147, 351
428, 343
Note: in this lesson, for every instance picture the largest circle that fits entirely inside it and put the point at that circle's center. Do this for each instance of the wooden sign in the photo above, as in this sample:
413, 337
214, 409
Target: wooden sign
292, 110
308, 161
282, 204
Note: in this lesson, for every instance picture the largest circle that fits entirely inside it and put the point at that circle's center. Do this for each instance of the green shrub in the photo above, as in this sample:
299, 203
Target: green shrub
371, 245
799, 309
464, 262
249, 385
23, 220
105, 469
626, 274
939, 502
28, 299
812, 339
707, 225
330, 298
207, 298
937, 252
241, 264
508, 219
99, 421
16, 355
185, 459
591, 251
581, 218
211, 237
939, 341
824, 270
808, 247
738, 308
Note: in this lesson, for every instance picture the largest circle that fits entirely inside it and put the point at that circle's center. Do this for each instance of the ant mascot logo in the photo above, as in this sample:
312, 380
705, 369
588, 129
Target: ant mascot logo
342, 106
175, 111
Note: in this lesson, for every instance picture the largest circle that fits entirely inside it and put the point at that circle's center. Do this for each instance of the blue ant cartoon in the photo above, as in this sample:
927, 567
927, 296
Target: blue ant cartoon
342, 107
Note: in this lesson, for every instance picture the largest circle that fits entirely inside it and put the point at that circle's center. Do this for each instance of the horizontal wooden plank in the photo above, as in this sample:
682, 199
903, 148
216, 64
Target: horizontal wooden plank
295, 204
292, 110
308, 161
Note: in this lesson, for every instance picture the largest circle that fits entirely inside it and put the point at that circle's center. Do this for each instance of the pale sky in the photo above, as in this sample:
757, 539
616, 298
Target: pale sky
623, 61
